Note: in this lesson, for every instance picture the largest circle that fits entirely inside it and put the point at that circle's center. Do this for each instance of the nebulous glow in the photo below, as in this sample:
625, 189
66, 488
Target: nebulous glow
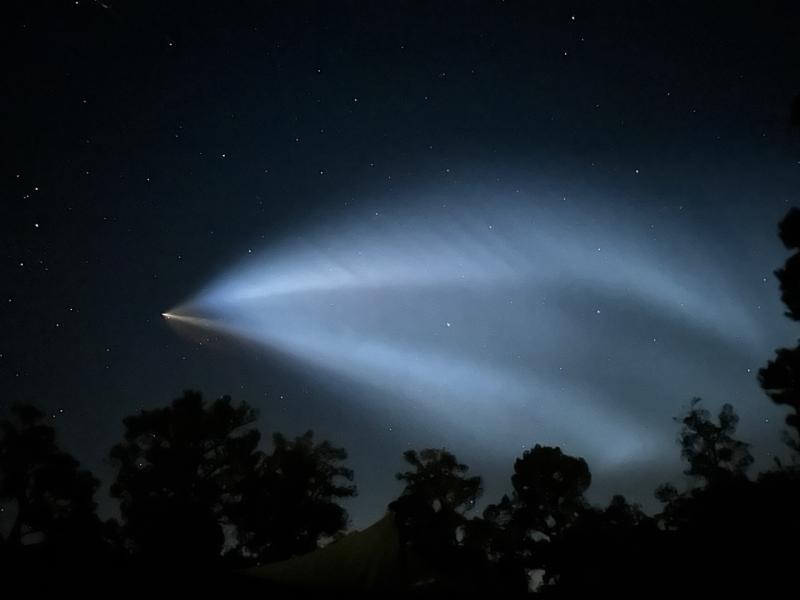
510, 322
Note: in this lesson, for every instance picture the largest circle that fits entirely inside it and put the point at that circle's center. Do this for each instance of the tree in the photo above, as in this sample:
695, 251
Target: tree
504, 544
719, 460
622, 513
431, 516
611, 549
438, 477
48, 498
547, 500
178, 473
549, 489
780, 379
712, 452
290, 502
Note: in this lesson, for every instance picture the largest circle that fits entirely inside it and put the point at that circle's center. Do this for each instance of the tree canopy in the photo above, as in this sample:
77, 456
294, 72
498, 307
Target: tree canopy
710, 449
290, 500
177, 472
780, 378
46, 496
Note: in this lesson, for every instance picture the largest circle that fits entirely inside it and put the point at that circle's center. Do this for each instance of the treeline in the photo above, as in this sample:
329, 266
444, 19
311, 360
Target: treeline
201, 501
194, 490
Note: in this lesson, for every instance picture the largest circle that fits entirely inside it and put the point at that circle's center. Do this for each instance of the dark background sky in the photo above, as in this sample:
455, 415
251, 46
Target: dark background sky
150, 145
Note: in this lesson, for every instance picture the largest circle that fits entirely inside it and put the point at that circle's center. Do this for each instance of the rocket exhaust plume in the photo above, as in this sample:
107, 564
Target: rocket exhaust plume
477, 317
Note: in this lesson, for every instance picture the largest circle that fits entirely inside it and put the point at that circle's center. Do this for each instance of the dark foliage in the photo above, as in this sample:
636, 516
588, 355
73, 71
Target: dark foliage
178, 469
710, 449
431, 520
547, 499
191, 475
780, 379
289, 503
46, 498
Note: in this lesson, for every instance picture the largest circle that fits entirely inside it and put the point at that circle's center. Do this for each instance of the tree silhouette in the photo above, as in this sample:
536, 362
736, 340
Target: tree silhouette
714, 456
438, 477
289, 502
547, 500
431, 516
710, 449
178, 469
729, 524
48, 499
611, 549
548, 489
780, 379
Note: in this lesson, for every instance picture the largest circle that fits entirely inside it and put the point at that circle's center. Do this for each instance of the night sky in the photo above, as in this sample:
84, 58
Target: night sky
479, 225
